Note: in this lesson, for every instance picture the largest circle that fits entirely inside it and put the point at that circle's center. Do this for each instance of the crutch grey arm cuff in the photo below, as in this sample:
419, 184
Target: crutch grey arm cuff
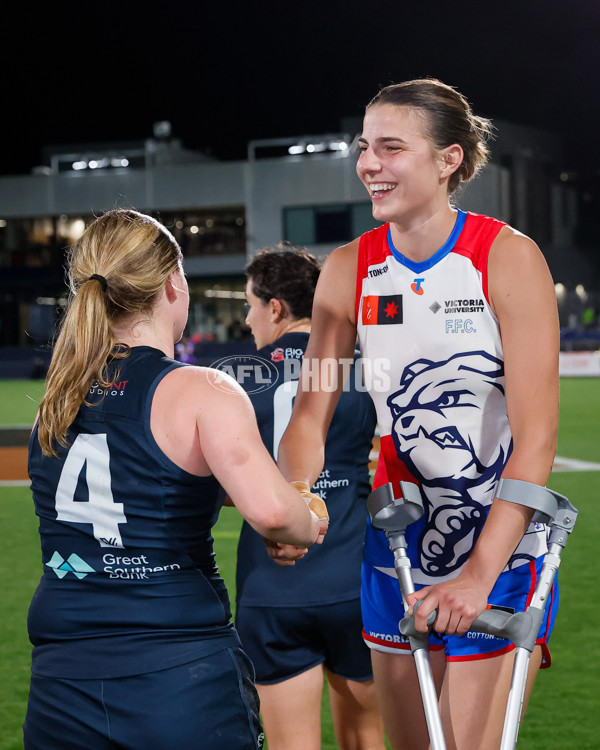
545, 502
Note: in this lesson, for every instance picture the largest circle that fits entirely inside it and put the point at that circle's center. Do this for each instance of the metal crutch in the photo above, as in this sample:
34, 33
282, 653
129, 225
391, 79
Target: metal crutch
393, 516
522, 628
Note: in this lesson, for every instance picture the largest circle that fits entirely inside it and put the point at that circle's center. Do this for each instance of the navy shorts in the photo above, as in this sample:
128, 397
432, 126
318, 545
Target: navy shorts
286, 641
210, 703
383, 609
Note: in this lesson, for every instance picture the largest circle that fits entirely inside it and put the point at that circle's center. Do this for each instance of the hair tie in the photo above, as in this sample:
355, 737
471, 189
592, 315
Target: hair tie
101, 279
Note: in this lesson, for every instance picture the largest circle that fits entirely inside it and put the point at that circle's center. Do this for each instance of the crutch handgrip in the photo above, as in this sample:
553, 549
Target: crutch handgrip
407, 623
515, 627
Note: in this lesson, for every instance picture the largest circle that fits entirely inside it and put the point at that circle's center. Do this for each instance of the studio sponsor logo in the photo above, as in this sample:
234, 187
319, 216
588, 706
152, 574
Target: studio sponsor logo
256, 374
115, 389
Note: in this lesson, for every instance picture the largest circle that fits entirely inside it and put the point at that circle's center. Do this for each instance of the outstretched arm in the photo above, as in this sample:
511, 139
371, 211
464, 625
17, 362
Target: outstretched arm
523, 298
332, 340
234, 451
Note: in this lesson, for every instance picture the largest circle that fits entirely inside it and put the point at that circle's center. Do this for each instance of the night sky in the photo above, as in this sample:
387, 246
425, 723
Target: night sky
224, 73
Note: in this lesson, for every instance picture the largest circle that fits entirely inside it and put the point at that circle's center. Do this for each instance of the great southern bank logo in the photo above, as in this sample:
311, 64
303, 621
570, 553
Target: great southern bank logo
73, 564
254, 374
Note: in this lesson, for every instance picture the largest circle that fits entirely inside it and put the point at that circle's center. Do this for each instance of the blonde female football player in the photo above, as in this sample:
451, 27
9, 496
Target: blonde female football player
133, 645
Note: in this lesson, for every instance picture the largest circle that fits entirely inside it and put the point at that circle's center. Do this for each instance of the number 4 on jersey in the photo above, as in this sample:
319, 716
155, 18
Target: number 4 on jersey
100, 510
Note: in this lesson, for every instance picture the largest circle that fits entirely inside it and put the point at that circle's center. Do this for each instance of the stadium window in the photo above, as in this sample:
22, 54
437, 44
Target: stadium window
362, 219
299, 226
208, 232
326, 224
333, 223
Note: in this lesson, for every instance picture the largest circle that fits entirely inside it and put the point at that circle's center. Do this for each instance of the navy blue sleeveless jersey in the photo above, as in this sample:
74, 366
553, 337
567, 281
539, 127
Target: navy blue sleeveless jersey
129, 582
330, 572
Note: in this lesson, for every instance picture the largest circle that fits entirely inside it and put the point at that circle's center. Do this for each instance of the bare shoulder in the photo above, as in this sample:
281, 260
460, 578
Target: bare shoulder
343, 259
516, 265
512, 248
196, 389
336, 289
199, 377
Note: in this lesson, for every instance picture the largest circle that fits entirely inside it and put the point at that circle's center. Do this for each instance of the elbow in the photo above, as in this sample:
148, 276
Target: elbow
289, 526
533, 459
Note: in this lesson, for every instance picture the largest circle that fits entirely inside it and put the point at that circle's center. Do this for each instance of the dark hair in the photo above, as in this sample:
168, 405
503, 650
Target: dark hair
448, 119
287, 273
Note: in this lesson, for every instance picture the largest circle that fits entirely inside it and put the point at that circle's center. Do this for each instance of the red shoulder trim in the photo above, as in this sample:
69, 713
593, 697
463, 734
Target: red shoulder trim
372, 248
475, 242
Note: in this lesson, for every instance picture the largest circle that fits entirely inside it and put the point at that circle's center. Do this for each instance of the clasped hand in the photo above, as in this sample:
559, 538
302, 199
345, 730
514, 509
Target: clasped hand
287, 554
458, 602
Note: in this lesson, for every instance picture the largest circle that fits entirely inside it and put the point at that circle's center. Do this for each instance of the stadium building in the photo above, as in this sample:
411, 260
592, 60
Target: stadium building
301, 189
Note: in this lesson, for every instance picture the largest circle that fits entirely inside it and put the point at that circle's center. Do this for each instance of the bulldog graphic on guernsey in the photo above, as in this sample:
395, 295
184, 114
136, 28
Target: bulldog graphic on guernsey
437, 433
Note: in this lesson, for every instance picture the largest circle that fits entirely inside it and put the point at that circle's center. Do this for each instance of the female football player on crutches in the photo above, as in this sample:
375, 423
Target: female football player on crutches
457, 322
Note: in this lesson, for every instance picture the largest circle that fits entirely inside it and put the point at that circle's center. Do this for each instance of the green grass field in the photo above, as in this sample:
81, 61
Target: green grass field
562, 712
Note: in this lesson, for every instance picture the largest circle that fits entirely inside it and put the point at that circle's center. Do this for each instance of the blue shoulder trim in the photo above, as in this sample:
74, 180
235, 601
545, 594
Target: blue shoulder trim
436, 257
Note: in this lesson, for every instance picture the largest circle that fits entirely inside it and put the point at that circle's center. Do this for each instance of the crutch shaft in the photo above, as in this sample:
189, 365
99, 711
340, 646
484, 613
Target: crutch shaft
547, 575
430, 700
403, 572
420, 652
516, 696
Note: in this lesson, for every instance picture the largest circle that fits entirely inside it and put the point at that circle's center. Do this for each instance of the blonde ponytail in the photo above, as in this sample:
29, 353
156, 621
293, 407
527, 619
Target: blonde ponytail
116, 269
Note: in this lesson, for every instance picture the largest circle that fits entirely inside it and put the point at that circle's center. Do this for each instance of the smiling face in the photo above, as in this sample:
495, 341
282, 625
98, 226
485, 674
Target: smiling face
398, 164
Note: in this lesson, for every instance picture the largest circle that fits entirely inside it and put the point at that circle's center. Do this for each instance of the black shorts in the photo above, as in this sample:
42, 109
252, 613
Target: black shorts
283, 642
210, 703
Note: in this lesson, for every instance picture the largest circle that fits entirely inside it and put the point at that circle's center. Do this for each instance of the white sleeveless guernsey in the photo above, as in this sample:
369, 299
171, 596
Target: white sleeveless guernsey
434, 365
